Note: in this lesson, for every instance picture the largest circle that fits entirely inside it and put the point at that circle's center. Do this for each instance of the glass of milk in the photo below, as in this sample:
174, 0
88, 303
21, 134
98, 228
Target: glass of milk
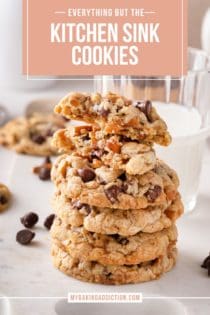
184, 103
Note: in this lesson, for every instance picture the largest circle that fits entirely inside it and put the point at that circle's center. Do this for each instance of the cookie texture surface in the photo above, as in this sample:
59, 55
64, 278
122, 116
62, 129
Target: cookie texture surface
114, 151
116, 115
5, 197
112, 274
31, 135
106, 187
116, 221
112, 249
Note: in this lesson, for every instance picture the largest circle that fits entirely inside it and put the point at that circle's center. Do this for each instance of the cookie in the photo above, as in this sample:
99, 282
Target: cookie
32, 135
116, 115
5, 197
115, 151
115, 221
109, 188
91, 271
111, 249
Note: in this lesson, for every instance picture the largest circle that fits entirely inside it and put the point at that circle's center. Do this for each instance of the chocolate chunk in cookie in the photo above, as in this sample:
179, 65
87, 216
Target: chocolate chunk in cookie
112, 192
87, 174
153, 193
37, 138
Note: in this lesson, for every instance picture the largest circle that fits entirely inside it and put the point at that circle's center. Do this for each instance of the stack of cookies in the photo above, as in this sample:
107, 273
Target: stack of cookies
116, 204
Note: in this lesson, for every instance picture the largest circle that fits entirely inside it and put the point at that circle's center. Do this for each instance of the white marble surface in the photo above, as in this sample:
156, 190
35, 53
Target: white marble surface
28, 272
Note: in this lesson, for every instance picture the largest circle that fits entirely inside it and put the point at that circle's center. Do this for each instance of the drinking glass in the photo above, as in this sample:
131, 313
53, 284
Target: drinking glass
184, 103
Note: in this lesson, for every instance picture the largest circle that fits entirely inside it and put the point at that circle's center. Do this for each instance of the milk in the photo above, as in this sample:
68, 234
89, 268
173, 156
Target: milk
185, 152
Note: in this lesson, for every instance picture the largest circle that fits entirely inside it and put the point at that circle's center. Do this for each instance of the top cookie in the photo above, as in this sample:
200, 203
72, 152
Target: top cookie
116, 115
31, 135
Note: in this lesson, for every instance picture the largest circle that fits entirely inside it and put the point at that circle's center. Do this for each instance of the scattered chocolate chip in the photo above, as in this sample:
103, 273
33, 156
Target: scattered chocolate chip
24, 237
153, 193
104, 112
112, 193
49, 221
39, 139
87, 174
44, 170
121, 240
122, 177
3, 200
205, 262
29, 219
44, 173
47, 160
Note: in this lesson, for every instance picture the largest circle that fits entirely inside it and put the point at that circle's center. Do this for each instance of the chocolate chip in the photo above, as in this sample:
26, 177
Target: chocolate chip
87, 174
148, 110
104, 112
206, 262
78, 205
44, 173
154, 261
39, 139
121, 240
145, 108
44, 170
85, 138
24, 237
29, 219
47, 160
3, 200
153, 193
122, 177
125, 139
49, 221
112, 193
